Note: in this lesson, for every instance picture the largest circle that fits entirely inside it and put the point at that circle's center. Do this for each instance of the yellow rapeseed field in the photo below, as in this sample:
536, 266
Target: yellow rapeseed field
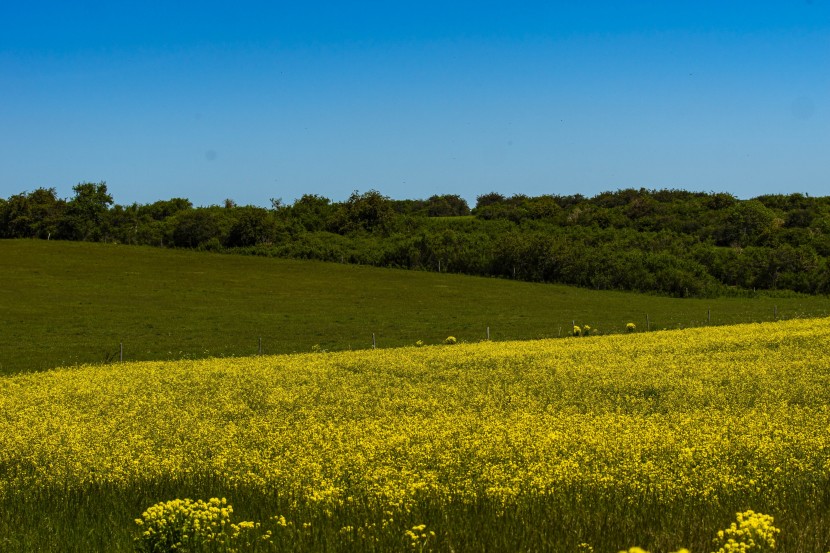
589, 437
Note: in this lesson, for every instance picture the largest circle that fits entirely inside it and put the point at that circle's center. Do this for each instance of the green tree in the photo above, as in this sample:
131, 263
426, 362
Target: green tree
543, 207
4, 207
447, 206
32, 215
124, 223
253, 226
197, 227
312, 212
161, 210
747, 223
371, 212
489, 199
47, 210
86, 212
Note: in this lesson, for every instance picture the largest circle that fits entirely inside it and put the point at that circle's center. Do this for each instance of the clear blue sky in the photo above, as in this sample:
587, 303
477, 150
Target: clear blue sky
254, 100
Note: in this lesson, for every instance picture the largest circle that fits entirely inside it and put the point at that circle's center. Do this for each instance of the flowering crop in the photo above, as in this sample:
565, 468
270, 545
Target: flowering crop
182, 524
752, 531
673, 429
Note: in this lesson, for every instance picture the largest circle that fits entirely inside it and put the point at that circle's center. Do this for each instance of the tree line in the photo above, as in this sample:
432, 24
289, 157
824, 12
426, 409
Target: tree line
664, 241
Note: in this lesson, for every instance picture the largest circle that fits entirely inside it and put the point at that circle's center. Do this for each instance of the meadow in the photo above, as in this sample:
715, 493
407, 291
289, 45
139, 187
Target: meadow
581, 444
69, 303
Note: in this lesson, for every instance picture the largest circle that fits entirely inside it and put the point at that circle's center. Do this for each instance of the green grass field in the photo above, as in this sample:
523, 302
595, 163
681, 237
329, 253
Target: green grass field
66, 303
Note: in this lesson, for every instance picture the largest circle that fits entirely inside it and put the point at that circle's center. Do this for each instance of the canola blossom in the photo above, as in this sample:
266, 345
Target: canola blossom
711, 420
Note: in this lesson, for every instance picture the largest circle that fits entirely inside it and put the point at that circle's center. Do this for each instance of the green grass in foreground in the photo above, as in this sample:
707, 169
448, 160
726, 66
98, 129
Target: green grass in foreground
64, 303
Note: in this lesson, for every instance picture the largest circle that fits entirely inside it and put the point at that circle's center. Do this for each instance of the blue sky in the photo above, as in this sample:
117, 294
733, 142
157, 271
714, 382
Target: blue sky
259, 100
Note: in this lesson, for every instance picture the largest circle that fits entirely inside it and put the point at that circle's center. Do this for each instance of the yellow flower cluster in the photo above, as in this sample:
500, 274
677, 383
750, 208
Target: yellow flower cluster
752, 532
682, 416
187, 525
419, 537
641, 550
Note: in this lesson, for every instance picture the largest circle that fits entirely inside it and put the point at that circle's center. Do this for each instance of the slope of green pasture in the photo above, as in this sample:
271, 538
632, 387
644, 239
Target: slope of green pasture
63, 303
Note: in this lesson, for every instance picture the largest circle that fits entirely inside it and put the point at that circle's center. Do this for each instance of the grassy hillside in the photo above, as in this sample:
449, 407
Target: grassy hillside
64, 303
654, 440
